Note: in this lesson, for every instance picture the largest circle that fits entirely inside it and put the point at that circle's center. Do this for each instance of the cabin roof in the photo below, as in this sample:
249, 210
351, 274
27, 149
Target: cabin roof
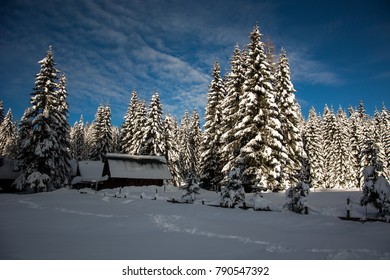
137, 167
90, 170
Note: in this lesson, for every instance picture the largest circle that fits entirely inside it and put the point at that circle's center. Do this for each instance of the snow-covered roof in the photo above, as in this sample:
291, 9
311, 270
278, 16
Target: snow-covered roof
9, 169
137, 167
90, 170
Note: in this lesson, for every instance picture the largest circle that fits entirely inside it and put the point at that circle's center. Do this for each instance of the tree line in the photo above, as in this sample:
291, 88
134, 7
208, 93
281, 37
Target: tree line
253, 129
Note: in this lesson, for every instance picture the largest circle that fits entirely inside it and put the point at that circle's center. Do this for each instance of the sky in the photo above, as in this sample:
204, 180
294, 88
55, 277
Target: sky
339, 51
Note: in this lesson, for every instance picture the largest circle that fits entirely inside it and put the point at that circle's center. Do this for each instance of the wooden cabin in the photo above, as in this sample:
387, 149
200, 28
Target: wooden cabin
89, 174
129, 170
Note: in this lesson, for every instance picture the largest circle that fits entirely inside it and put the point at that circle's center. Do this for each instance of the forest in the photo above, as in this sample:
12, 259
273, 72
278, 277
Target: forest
253, 128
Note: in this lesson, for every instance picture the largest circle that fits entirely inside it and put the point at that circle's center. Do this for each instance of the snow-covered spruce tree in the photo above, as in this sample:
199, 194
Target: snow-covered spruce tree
77, 140
191, 187
186, 150
102, 133
153, 137
233, 193
139, 128
63, 168
43, 160
259, 128
196, 141
289, 118
128, 126
189, 140
356, 140
329, 130
211, 155
361, 132
230, 108
95, 153
344, 176
172, 149
107, 130
313, 142
296, 197
8, 139
89, 140
378, 139
376, 189
382, 138
385, 121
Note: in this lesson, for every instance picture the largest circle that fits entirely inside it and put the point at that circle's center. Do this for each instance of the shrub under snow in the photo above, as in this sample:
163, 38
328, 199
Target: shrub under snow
233, 194
376, 191
191, 187
297, 197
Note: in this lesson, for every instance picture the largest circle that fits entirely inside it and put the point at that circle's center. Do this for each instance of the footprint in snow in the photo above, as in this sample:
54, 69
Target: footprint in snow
170, 223
30, 204
127, 201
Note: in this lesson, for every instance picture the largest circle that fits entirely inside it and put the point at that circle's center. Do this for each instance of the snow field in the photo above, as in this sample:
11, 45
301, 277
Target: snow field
66, 224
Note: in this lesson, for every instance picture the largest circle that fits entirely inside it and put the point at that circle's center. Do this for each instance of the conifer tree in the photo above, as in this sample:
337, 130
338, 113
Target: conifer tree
292, 147
196, 141
89, 140
233, 194
128, 126
153, 138
63, 169
329, 128
230, 109
139, 128
102, 133
344, 174
191, 187
77, 140
381, 138
186, 151
313, 141
97, 144
210, 162
259, 129
385, 130
172, 149
8, 136
364, 133
297, 196
376, 189
45, 159
355, 141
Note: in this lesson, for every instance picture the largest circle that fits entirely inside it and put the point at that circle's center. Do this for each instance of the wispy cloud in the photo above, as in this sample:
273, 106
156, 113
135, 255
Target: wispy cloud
383, 76
108, 48
307, 70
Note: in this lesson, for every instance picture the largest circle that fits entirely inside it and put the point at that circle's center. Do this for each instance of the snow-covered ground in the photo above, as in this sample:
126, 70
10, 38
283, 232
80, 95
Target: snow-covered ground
67, 224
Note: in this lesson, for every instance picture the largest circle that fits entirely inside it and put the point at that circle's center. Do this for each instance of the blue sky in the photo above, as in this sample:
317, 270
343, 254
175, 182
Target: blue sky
339, 51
